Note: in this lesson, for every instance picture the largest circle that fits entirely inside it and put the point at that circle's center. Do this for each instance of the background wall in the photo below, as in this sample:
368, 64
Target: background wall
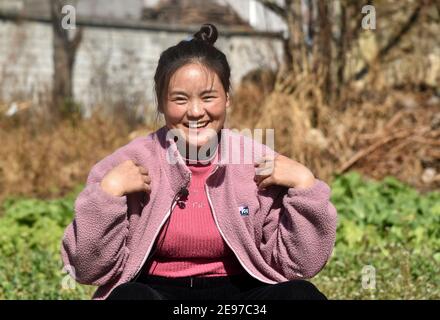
112, 63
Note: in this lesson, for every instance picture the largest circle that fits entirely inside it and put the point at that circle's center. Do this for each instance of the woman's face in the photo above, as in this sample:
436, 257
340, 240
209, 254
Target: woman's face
196, 104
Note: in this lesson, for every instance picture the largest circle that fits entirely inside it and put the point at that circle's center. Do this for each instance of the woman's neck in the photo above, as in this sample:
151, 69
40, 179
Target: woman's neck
203, 155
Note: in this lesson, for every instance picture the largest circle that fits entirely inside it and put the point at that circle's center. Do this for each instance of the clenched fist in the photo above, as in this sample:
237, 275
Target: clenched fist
128, 177
282, 171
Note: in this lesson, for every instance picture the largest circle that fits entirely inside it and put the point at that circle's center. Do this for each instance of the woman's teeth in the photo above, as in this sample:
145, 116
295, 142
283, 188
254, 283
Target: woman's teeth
197, 125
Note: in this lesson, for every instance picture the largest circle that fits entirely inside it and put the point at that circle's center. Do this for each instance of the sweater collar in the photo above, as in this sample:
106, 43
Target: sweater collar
177, 171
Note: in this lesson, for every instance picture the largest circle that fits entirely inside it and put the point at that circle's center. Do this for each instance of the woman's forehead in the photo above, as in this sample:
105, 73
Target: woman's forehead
194, 76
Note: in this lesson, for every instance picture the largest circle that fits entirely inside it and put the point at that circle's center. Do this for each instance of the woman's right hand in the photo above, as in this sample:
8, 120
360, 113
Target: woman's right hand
127, 177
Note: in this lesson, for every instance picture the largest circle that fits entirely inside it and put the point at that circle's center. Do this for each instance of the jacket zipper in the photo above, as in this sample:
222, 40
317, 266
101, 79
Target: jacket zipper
223, 236
136, 274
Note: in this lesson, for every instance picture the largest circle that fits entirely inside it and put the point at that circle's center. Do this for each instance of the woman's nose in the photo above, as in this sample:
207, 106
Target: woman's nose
196, 109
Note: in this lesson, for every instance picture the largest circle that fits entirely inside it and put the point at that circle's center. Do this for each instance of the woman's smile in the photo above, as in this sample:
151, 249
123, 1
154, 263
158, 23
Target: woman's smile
198, 126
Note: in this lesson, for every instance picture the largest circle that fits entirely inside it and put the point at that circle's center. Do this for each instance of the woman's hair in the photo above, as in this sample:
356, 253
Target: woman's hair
199, 49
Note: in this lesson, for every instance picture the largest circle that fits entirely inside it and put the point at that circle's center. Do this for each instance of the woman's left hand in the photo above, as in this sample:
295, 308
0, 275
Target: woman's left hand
282, 171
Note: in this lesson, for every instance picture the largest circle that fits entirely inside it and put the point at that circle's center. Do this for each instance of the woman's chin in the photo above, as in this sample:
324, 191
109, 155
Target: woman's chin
197, 143
200, 141
201, 138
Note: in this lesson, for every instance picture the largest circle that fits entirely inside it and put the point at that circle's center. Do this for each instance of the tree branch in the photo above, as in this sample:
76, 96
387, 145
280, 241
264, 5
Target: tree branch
74, 43
394, 41
274, 7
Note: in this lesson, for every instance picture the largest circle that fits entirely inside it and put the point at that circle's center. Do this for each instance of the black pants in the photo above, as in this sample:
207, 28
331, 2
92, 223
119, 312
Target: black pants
239, 287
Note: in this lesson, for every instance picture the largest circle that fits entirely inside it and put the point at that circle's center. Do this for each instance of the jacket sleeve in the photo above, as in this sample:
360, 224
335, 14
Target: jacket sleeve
94, 245
299, 231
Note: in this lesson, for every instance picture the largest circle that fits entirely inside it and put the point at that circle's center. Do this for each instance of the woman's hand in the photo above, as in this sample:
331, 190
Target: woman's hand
126, 178
282, 171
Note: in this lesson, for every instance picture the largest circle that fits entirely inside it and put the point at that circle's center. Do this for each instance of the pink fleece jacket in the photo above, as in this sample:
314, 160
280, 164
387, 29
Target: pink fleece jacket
286, 234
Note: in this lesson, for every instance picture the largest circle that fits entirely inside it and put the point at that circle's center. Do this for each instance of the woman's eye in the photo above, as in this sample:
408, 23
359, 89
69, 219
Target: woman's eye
180, 100
208, 98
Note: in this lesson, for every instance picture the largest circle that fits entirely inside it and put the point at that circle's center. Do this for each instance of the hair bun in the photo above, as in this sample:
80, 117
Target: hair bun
207, 33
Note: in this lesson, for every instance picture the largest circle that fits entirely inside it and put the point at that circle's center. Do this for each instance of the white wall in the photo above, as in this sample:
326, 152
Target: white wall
26, 64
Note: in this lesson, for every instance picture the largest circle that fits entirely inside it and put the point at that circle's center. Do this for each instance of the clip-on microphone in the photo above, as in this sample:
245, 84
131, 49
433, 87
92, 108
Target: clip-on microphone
182, 197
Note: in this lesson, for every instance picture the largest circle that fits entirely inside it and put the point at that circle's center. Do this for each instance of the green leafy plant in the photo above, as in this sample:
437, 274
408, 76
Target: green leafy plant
30, 237
391, 227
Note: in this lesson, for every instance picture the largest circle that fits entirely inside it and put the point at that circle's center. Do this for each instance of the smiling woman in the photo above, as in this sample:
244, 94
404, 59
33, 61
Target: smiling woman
200, 227
192, 87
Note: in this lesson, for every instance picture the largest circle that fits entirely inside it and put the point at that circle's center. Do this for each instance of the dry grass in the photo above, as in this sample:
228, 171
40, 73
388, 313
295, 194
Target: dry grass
48, 160
378, 132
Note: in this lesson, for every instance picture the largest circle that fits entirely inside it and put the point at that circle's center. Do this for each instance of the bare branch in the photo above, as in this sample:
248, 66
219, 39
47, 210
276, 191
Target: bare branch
394, 40
274, 7
74, 43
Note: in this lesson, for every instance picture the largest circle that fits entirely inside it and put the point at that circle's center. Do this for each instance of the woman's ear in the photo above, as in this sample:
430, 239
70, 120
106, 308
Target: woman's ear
228, 101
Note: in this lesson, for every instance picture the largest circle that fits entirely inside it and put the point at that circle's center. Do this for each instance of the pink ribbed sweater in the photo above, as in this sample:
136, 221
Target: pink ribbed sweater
190, 244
